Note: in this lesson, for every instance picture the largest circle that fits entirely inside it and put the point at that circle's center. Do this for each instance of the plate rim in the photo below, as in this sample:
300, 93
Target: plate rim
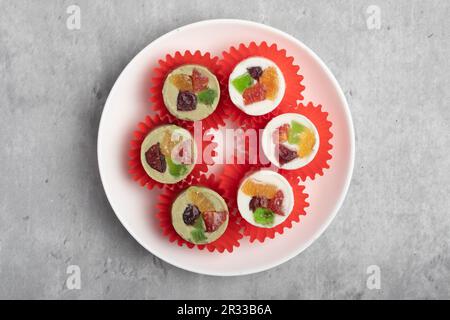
348, 178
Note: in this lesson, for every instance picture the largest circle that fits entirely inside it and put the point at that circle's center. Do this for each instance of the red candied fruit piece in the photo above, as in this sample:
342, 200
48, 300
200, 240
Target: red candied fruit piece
276, 203
199, 82
254, 94
214, 219
281, 134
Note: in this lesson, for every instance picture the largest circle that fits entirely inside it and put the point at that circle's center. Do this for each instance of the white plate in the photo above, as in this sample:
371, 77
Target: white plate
135, 206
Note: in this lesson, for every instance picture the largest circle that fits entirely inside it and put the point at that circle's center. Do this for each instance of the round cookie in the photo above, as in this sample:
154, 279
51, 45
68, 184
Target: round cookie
200, 215
290, 141
256, 86
191, 92
265, 199
168, 154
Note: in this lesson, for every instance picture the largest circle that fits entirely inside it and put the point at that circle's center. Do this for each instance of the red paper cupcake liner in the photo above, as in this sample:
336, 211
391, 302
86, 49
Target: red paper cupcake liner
293, 80
172, 62
136, 169
230, 180
323, 126
228, 241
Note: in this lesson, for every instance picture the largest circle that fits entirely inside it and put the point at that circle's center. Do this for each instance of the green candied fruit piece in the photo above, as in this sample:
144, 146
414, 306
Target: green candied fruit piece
198, 234
199, 223
176, 170
294, 132
242, 82
264, 216
207, 96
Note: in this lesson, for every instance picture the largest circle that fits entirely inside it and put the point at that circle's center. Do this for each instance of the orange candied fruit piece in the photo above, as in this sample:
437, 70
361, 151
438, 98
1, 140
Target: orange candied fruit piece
183, 82
306, 144
254, 188
200, 201
269, 79
167, 143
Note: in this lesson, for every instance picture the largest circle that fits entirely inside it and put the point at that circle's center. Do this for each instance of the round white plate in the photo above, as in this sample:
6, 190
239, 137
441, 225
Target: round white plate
135, 206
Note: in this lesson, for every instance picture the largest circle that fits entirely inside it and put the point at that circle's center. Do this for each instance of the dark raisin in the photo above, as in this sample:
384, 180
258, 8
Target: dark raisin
255, 72
186, 101
155, 158
285, 154
258, 202
190, 214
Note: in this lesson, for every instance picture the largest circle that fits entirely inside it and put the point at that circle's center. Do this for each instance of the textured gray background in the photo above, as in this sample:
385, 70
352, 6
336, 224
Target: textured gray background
53, 211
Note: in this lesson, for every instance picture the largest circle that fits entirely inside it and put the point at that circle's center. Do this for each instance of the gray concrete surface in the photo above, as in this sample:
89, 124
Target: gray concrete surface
53, 211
